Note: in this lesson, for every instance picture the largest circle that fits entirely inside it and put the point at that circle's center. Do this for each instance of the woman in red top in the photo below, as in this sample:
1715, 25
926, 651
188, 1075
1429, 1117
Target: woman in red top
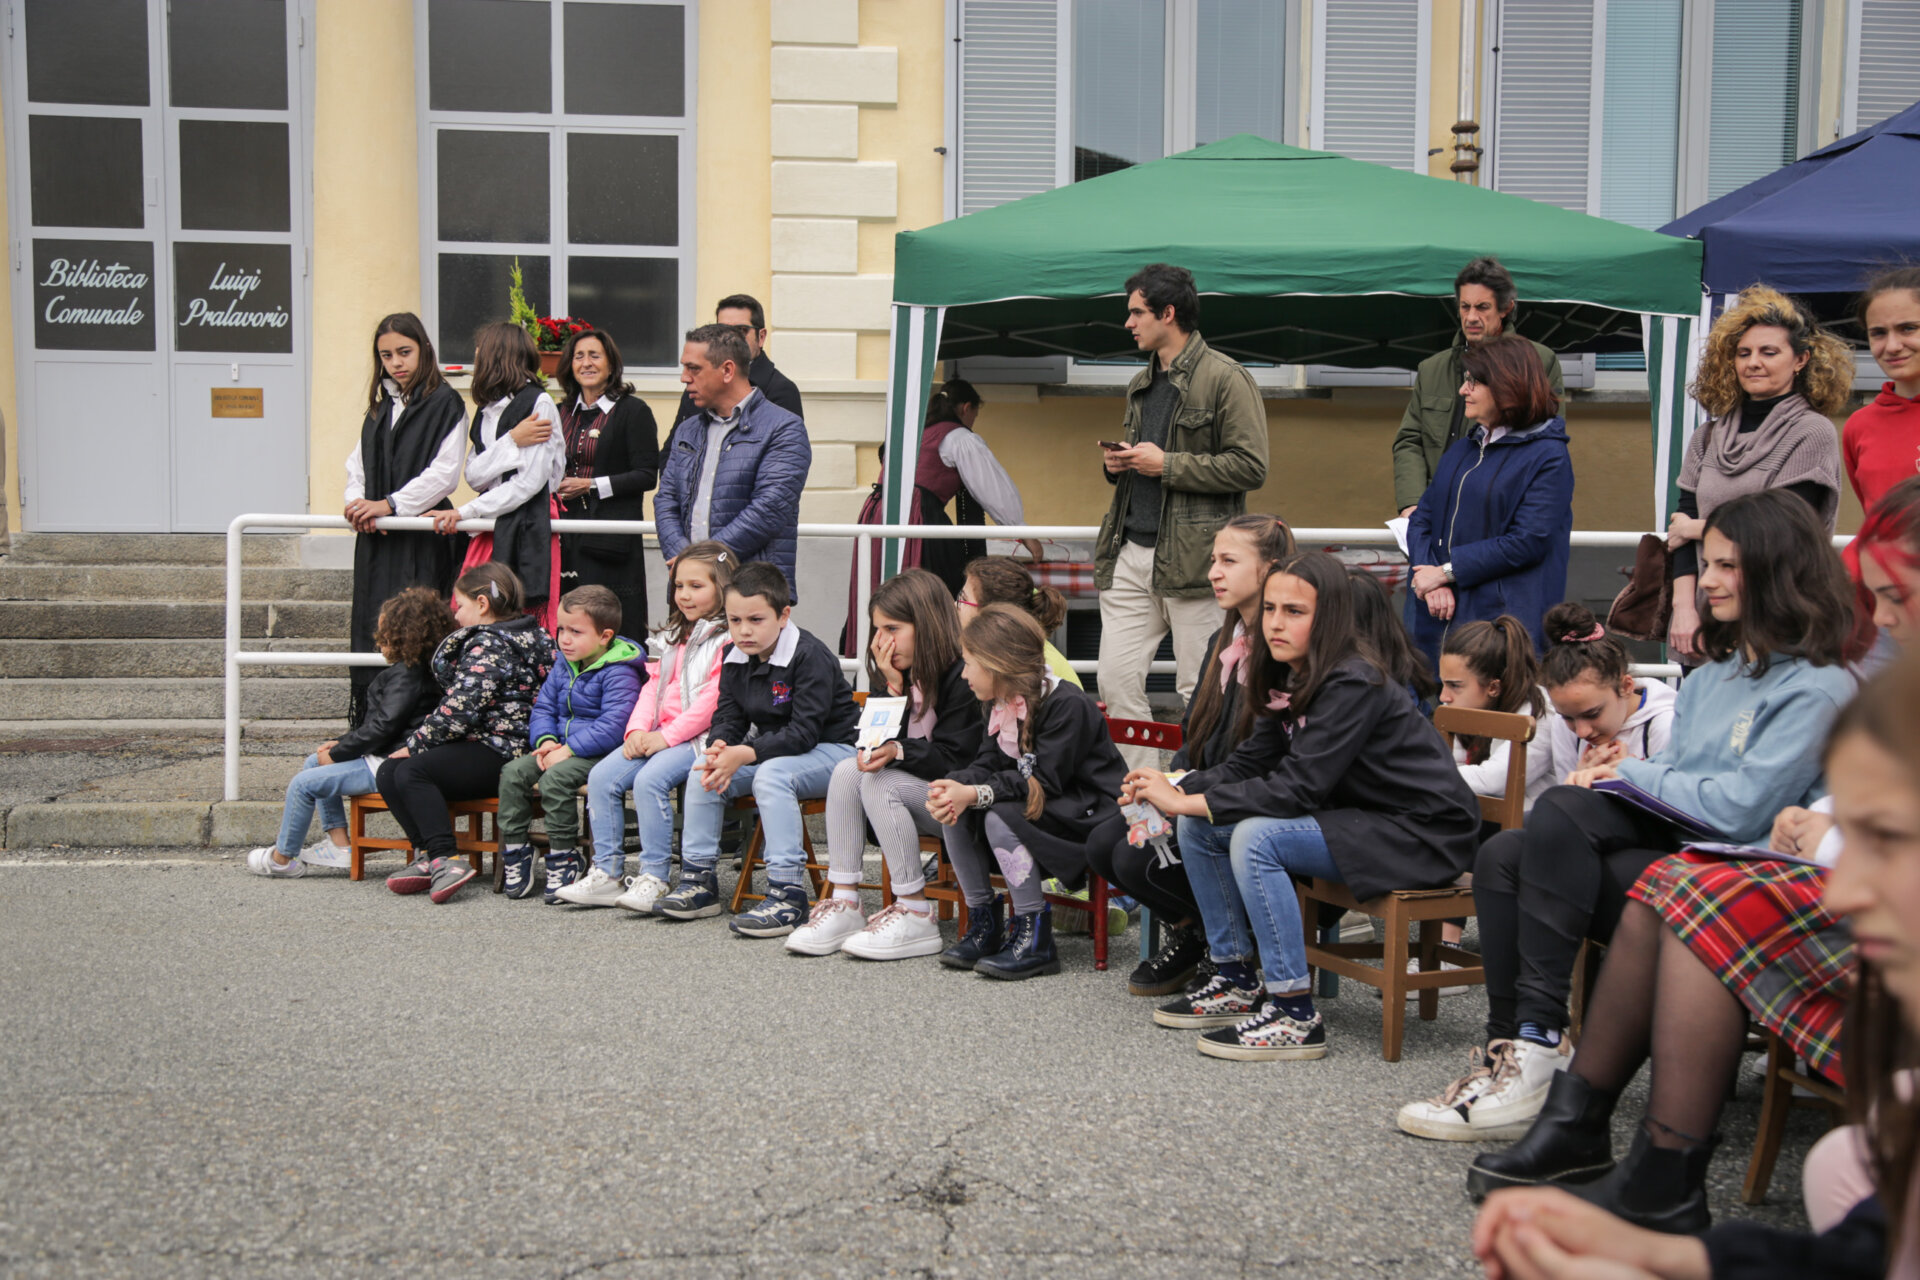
1881, 443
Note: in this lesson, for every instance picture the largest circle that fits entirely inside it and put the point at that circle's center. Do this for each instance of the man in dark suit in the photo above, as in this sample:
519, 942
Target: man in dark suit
746, 314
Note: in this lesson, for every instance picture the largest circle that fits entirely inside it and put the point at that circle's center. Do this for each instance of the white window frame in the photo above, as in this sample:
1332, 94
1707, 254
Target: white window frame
556, 125
1423, 83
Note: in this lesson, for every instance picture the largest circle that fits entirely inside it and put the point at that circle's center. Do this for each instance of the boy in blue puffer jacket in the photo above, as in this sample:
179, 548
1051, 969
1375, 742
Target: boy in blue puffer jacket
579, 716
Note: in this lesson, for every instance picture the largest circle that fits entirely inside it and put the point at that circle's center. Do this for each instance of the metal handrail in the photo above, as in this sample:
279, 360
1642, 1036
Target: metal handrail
862, 534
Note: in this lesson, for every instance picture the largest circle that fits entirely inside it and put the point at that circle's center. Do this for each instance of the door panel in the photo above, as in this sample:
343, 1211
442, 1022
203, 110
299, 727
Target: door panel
99, 462
236, 462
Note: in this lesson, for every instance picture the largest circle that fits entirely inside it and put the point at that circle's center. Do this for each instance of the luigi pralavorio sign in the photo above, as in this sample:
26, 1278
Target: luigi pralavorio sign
232, 297
93, 295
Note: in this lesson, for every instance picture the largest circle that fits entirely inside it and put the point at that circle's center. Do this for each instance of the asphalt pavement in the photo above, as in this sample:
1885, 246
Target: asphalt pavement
211, 1074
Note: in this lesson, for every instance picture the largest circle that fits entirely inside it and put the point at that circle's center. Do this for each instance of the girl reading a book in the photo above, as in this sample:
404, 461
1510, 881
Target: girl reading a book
1745, 735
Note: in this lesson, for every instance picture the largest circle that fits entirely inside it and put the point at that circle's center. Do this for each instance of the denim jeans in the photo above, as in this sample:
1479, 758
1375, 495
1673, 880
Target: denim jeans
652, 780
322, 786
778, 786
1239, 876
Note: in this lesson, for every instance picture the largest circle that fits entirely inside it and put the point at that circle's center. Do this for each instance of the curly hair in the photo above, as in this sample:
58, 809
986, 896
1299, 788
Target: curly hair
1825, 380
412, 625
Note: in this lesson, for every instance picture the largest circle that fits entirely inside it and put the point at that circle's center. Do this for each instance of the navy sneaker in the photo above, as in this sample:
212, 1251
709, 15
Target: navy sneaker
517, 873
783, 910
1221, 1003
415, 877
695, 897
563, 868
449, 874
1271, 1034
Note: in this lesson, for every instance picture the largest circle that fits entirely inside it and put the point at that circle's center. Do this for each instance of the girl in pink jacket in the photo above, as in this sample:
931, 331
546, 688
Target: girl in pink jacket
668, 726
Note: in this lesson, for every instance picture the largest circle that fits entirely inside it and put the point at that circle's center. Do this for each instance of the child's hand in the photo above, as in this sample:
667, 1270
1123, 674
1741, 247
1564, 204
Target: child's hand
531, 430
554, 753
1603, 753
1587, 777
947, 799
323, 755
1152, 786
446, 520
1799, 831
878, 758
401, 754
722, 763
640, 745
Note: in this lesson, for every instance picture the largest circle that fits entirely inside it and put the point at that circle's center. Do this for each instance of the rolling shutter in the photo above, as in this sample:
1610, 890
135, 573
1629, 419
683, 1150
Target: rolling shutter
1889, 59
1009, 100
1370, 82
1543, 101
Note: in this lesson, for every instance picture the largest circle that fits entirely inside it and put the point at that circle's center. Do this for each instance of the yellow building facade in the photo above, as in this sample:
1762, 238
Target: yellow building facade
812, 132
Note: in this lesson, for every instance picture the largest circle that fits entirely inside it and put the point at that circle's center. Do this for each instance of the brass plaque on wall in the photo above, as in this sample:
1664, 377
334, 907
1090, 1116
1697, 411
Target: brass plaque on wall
239, 402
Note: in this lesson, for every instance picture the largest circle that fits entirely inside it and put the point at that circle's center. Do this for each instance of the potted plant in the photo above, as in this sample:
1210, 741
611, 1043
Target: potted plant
549, 333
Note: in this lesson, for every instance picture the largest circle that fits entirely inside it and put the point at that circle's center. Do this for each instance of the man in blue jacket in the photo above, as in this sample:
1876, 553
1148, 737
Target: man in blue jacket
734, 471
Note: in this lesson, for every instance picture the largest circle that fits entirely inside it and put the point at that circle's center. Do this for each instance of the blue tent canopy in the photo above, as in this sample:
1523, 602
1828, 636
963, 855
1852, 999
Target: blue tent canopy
1822, 224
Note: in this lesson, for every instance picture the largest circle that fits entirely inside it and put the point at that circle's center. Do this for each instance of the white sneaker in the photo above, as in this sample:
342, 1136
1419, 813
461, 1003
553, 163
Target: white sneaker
261, 863
1413, 966
642, 892
830, 923
1497, 1099
897, 933
325, 853
598, 890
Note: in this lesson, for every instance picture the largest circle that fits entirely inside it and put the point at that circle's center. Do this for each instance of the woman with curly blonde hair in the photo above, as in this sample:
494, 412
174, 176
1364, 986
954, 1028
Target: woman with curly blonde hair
1771, 381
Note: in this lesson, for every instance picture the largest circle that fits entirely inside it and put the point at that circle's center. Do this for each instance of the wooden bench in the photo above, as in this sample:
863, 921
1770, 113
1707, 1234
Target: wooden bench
476, 816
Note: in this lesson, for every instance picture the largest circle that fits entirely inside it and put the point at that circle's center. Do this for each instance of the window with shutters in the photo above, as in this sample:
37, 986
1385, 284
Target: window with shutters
1370, 79
1754, 125
1055, 91
559, 134
1883, 53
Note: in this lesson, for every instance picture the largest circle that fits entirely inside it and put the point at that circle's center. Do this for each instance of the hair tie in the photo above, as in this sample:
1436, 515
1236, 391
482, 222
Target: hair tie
1599, 632
1033, 591
1026, 764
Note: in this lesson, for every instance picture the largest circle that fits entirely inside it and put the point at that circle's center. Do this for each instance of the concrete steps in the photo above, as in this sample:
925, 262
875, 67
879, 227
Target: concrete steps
170, 582
148, 548
170, 699
110, 659
168, 619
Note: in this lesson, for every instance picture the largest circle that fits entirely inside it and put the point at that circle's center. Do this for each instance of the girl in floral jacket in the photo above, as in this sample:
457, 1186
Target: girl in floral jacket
491, 669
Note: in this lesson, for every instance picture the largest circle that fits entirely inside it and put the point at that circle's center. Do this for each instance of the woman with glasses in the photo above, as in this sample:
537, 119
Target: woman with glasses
1004, 580
1491, 533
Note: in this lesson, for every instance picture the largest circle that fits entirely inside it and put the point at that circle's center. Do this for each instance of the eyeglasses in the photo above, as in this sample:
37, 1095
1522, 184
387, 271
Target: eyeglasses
1468, 380
964, 603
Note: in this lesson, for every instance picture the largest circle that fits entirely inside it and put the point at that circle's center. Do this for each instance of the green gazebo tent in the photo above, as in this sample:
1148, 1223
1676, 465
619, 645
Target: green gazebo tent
1300, 257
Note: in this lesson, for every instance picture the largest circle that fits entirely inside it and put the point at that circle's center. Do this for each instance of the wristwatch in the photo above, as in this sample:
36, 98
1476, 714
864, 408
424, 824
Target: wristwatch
1446, 570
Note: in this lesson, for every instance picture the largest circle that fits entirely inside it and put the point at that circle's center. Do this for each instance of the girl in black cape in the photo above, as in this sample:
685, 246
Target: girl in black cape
407, 463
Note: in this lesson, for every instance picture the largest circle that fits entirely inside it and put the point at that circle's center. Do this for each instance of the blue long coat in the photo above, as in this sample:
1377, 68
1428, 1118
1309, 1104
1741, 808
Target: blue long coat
756, 489
1502, 513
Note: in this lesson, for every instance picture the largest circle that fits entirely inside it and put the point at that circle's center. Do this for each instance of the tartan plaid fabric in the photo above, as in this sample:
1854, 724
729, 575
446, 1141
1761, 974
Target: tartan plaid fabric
1761, 928
1073, 578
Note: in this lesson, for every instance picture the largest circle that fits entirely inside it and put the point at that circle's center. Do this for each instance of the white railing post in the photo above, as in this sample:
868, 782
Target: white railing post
232, 709
863, 604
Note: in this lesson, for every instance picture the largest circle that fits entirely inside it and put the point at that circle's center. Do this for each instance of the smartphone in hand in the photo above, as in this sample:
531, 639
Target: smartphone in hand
1111, 445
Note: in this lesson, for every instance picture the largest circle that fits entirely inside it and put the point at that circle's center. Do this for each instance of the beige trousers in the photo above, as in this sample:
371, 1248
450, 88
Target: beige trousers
1132, 621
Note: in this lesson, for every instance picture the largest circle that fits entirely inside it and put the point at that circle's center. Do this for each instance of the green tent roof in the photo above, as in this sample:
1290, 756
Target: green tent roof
1300, 256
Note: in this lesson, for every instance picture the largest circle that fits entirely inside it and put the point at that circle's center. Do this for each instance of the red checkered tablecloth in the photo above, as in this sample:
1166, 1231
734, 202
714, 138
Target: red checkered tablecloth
1072, 578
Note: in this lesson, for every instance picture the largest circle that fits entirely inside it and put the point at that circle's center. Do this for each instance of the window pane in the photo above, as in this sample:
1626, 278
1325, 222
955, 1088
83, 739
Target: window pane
1240, 76
1119, 73
493, 186
87, 51
622, 189
626, 59
93, 295
1754, 124
490, 55
637, 300
473, 291
1640, 138
227, 53
232, 297
86, 171
233, 176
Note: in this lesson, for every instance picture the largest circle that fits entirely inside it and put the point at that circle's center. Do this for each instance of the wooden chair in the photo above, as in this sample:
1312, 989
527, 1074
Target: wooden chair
477, 815
1776, 1100
1403, 908
752, 856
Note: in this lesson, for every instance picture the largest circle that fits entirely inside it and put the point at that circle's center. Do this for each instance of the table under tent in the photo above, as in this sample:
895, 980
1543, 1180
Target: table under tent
1300, 257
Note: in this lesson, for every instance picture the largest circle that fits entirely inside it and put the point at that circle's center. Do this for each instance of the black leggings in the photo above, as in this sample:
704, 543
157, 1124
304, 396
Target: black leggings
1541, 891
1162, 889
417, 789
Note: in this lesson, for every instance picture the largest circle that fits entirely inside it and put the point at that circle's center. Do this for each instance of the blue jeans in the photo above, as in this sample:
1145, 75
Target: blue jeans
320, 786
1241, 875
778, 786
652, 780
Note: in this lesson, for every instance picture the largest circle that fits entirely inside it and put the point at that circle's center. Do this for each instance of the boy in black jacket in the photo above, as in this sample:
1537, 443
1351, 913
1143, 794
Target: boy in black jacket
786, 718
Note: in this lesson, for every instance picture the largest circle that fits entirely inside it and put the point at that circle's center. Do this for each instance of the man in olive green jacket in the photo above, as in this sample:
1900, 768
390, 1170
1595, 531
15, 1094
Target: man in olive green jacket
1485, 295
1195, 443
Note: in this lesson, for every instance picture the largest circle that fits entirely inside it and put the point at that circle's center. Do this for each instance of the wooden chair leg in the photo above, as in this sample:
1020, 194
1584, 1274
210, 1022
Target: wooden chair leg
1775, 1101
886, 885
356, 843
1430, 997
1393, 986
809, 861
749, 859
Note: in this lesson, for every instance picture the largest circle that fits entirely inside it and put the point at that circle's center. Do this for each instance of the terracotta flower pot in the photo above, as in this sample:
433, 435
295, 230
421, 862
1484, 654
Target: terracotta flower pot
550, 362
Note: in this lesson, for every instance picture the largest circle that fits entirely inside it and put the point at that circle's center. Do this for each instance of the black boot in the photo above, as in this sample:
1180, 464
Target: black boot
1029, 950
984, 936
1571, 1141
1659, 1188
1182, 947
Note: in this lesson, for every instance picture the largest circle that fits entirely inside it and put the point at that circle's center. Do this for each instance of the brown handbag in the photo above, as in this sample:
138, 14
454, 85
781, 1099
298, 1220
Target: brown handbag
1644, 607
